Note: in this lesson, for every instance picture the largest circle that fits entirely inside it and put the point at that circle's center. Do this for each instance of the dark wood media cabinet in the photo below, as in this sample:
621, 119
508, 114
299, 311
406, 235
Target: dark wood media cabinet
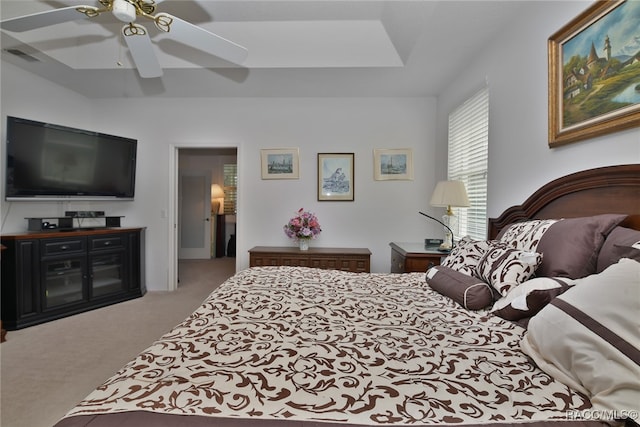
52, 274
356, 260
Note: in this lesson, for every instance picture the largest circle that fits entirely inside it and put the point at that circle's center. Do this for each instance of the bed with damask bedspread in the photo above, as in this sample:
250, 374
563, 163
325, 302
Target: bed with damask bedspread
293, 346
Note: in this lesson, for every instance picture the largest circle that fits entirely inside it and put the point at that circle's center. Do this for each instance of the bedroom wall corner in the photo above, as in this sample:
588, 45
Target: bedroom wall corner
515, 67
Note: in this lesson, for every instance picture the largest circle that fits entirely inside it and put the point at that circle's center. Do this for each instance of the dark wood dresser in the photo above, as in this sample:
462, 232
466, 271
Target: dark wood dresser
356, 260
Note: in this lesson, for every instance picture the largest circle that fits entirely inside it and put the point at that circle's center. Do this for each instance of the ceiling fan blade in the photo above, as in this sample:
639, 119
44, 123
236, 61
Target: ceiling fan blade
199, 38
44, 19
141, 49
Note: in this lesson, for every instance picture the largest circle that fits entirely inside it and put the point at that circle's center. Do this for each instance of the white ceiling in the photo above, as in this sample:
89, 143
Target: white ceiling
296, 47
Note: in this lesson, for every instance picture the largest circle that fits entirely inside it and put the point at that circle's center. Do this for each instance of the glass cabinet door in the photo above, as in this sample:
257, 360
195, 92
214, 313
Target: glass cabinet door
63, 282
107, 275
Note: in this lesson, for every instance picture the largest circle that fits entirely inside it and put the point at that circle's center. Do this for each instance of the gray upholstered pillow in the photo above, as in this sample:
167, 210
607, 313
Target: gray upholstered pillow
470, 292
588, 338
610, 253
504, 267
571, 246
466, 255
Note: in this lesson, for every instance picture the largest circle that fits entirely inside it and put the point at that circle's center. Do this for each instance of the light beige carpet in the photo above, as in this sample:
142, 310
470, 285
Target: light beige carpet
46, 369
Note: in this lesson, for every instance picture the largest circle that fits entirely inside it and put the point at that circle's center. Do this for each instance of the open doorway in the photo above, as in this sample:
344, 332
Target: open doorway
201, 226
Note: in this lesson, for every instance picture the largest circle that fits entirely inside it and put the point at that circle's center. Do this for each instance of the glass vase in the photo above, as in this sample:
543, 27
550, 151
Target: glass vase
303, 244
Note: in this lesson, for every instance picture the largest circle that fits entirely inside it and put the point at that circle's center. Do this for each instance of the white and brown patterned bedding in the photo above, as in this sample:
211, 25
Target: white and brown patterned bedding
301, 346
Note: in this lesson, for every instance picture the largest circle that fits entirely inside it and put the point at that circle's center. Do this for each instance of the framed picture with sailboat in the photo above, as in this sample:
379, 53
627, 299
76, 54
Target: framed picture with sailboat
280, 163
393, 164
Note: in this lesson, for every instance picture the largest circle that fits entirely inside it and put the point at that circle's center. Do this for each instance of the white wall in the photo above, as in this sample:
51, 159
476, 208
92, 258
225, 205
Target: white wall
383, 211
29, 96
515, 66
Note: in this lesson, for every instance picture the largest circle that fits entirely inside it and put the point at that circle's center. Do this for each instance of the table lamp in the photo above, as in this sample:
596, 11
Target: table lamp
217, 199
449, 194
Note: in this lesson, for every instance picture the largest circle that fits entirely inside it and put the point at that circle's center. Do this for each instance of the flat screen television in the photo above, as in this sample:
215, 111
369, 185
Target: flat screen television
53, 162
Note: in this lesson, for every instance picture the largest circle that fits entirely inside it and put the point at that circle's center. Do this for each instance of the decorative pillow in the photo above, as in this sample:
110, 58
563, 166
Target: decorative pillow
470, 292
525, 235
504, 267
571, 246
631, 252
609, 253
530, 297
466, 255
588, 338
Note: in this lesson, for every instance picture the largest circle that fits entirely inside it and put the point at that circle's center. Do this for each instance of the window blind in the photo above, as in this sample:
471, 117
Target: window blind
230, 187
468, 161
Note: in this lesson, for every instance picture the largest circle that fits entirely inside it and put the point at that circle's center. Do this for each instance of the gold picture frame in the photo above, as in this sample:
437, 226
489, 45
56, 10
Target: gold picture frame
280, 163
393, 164
336, 177
590, 95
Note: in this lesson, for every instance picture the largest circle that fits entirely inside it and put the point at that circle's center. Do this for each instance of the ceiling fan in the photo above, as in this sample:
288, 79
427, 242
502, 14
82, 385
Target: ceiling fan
136, 35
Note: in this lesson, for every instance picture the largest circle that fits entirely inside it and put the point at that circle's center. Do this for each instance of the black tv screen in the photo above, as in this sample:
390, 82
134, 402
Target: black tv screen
52, 161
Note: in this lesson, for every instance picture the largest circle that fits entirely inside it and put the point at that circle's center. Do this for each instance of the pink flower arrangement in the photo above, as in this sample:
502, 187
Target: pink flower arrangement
304, 225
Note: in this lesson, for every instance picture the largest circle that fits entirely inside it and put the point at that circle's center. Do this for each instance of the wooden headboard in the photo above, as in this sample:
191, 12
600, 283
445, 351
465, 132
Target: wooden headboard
610, 189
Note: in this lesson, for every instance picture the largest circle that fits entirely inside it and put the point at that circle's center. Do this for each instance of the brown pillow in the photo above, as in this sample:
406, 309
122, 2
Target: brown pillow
468, 291
610, 253
631, 252
570, 247
530, 297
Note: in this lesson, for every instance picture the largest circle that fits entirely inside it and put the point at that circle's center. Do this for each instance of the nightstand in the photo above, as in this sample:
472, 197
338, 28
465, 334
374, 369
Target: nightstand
413, 257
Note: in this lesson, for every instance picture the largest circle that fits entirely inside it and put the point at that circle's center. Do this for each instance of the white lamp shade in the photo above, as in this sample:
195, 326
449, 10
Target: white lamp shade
216, 192
450, 193
217, 199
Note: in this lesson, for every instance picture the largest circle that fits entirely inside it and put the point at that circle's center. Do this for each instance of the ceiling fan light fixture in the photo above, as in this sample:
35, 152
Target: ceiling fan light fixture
163, 22
136, 36
124, 11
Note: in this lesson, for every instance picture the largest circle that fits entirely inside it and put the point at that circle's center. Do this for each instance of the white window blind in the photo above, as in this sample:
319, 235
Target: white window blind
468, 161
230, 188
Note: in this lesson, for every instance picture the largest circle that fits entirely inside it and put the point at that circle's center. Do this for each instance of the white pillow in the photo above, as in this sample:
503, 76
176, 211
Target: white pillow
527, 234
589, 337
505, 268
466, 255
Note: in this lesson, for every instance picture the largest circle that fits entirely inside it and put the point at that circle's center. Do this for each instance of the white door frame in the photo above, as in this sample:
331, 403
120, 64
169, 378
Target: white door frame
172, 223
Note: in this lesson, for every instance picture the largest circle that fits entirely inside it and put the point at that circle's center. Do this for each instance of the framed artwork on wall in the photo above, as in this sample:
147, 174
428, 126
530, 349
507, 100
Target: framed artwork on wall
280, 163
393, 164
335, 177
594, 73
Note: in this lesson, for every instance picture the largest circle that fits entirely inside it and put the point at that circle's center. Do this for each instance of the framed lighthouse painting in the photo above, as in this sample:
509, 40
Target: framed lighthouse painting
280, 163
594, 73
393, 164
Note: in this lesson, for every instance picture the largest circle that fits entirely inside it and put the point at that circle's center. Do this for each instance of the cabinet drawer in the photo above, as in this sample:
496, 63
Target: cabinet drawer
108, 242
63, 246
356, 260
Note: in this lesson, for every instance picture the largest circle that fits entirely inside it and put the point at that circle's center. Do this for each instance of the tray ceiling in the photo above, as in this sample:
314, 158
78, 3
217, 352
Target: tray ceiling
296, 47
